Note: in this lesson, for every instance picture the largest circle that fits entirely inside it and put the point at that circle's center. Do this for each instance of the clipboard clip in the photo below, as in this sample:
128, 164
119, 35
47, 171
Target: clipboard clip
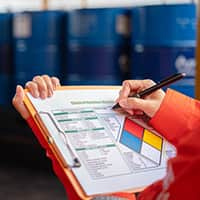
76, 162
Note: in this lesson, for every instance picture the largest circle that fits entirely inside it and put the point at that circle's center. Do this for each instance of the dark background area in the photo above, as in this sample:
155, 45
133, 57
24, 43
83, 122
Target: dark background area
25, 171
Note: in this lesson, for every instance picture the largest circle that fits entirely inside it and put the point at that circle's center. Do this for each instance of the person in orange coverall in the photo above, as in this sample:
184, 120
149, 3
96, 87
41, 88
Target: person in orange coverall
174, 115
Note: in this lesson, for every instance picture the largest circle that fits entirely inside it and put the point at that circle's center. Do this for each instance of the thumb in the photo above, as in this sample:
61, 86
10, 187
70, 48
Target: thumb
18, 102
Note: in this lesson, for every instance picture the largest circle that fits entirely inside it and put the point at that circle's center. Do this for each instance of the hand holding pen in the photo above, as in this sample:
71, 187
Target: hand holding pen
148, 95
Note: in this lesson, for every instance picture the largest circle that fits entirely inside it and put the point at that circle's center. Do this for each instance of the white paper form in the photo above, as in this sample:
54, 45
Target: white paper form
115, 152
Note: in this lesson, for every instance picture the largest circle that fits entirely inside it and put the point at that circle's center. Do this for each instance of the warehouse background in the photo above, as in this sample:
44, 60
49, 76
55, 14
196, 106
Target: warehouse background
19, 5
83, 42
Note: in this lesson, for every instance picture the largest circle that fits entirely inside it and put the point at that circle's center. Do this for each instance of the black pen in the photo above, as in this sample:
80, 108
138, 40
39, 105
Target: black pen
155, 87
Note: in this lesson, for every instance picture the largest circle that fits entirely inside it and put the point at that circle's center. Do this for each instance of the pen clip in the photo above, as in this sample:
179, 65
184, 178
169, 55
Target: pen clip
76, 162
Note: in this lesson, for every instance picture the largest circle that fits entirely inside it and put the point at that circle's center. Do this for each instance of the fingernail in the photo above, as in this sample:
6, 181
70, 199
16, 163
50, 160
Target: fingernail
43, 95
36, 94
124, 84
50, 92
18, 87
57, 85
17, 90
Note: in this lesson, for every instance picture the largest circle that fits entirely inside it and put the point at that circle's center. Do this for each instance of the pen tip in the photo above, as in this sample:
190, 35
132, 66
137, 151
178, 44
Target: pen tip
116, 106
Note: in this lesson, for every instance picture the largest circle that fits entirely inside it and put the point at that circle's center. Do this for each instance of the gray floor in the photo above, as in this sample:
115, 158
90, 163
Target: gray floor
29, 184
25, 171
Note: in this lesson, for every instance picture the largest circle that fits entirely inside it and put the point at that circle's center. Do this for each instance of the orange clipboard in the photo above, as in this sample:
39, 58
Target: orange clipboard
46, 136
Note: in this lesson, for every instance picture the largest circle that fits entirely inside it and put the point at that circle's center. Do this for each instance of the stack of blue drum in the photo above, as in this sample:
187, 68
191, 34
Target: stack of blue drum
96, 46
5, 57
163, 43
38, 39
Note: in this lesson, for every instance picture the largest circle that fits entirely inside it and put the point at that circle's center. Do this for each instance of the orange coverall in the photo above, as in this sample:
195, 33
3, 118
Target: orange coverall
178, 120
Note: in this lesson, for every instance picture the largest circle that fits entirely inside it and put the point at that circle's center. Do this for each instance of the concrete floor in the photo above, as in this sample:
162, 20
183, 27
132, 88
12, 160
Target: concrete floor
29, 184
25, 171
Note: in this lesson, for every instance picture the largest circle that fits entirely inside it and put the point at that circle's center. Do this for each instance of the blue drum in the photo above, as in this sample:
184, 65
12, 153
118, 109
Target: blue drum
38, 43
97, 46
163, 43
5, 57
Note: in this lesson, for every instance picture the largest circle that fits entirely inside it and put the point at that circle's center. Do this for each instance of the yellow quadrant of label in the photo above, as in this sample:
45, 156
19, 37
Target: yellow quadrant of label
152, 139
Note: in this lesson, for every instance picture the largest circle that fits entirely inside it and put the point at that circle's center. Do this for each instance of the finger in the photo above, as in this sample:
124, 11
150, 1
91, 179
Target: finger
55, 82
17, 102
49, 84
138, 85
130, 87
125, 91
42, 87
32, 88
134, 104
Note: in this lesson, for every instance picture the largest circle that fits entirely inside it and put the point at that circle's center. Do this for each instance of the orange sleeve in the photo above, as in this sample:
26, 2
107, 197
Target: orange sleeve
178, 120
151, 191
177, 116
